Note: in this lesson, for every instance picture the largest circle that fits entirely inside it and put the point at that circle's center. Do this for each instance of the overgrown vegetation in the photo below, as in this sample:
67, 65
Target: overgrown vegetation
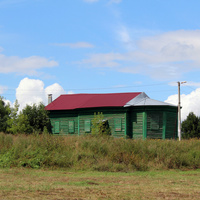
100, 125
97, 153
31, 119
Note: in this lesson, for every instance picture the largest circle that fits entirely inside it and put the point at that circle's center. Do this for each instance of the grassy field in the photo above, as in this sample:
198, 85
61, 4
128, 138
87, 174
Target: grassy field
97, 153
86, 167
26, 183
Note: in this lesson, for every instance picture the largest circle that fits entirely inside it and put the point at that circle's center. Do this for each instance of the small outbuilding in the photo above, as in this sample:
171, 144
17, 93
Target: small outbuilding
129, 115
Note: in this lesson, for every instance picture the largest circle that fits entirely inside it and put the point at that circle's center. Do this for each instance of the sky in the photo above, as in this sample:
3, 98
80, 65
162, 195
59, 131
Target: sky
100, 46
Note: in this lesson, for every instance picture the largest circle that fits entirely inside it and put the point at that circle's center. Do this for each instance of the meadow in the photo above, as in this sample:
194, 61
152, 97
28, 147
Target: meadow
24, 183
91, 167
97, 153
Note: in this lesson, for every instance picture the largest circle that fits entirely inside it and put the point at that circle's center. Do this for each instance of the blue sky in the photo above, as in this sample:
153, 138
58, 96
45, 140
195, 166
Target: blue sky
100, 46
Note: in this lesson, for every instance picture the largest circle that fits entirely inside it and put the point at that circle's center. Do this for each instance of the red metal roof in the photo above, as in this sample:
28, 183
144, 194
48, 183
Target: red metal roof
75, 101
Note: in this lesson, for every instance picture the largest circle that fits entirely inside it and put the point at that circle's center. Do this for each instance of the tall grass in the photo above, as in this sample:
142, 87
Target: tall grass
97, 153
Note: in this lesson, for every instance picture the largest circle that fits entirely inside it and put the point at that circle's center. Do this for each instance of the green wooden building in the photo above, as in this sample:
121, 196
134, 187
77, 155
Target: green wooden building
129, 115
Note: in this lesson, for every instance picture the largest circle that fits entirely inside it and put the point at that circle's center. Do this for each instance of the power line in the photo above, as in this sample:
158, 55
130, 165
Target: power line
190, 87
113, 87
24, 92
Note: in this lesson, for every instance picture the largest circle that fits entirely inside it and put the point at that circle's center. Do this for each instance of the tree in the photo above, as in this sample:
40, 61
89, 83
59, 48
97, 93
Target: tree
191, 126
4, 115
13, 119
30, 119
23, 125
18, 122
100, 126
37, 118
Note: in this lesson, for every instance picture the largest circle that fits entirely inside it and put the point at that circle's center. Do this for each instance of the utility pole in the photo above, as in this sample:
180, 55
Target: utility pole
179, 110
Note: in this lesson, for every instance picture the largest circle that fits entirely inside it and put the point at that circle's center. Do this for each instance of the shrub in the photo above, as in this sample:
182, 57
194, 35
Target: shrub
100, 125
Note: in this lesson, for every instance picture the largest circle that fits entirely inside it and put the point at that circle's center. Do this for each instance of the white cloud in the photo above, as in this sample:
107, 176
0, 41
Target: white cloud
76, 45
104, 60
29, 65
189, 103
32, 91
125, 38
173, 46
169, 55
56, 90
165, 56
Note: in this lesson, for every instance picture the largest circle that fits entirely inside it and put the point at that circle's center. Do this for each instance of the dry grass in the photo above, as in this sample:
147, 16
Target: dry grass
47, 184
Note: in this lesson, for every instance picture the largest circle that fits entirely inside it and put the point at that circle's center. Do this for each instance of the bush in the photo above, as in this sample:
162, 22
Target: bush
100, 125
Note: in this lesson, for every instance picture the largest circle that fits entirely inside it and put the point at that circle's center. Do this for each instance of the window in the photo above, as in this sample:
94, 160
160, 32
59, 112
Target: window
57, 127
71, 127
118, 124
88, 126
153, 121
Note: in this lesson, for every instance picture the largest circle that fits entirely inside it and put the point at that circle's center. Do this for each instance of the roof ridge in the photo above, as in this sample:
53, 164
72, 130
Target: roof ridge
101, 93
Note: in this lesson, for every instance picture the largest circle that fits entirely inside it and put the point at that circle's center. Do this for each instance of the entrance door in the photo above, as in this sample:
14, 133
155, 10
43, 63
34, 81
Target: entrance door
137, 125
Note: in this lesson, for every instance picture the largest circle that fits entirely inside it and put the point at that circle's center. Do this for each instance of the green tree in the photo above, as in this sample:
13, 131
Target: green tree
4, 115
13, 120
23, 125
37, 118
100, 125
191, 126
18, 122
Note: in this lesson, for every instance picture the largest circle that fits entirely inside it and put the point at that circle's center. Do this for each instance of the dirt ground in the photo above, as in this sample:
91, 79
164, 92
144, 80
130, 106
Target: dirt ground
59, 184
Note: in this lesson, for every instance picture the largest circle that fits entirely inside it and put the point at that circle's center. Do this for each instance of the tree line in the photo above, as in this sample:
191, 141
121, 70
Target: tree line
31, 119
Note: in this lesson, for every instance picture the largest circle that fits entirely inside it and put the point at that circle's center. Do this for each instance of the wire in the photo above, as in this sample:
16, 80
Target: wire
190, 87
89, 89
113, 87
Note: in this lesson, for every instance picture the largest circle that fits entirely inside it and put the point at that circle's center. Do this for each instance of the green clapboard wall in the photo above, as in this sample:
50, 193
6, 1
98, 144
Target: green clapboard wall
157, 122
